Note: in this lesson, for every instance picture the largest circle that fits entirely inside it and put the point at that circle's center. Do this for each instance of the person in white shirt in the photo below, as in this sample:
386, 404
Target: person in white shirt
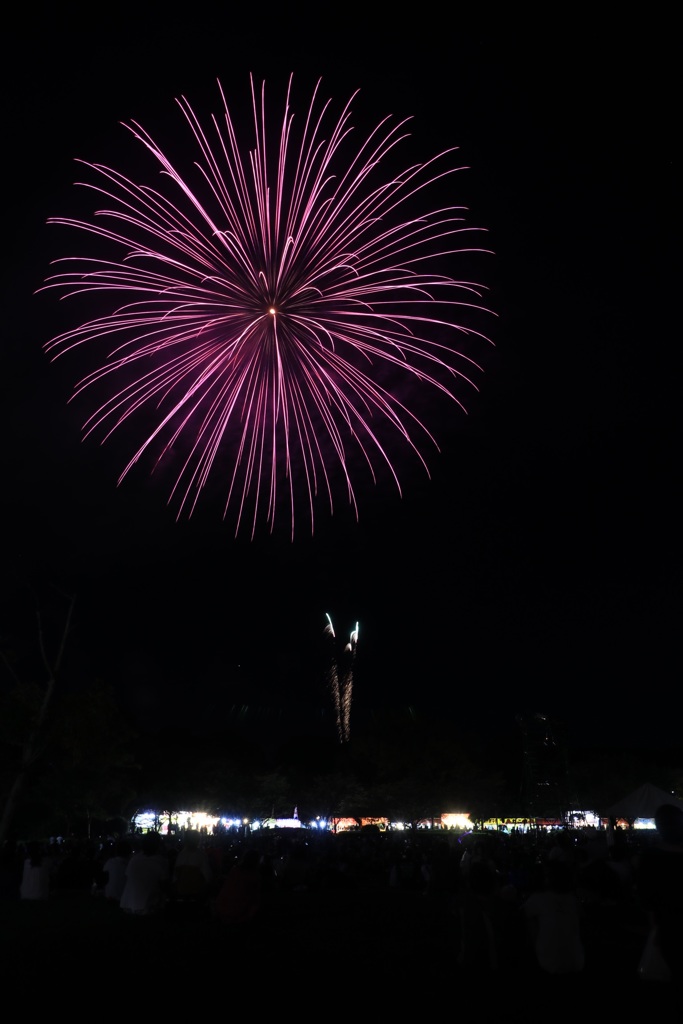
554, 918
148, 876
36, 872
114, 868
192, 872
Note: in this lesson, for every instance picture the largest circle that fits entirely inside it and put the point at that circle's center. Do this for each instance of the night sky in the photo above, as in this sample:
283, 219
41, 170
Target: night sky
538, 570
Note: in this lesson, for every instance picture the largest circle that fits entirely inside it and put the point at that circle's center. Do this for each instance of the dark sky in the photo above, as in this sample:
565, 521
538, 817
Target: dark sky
538, 569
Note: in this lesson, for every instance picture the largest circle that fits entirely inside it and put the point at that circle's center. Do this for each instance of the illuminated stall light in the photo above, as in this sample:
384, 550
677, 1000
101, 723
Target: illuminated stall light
522, 824
169, 823
584, 819
461, 821
351, 824
344, 824
275, 823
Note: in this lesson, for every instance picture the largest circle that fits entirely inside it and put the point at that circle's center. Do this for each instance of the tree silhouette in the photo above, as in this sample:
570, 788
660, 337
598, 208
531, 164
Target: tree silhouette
36, 700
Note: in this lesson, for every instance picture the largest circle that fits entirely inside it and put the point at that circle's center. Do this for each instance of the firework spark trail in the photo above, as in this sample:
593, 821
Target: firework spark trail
341, 687
347, 684
251, 313
333, 679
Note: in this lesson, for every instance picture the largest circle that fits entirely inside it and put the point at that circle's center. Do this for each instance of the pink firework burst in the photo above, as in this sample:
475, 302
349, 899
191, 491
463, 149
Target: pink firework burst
259, 326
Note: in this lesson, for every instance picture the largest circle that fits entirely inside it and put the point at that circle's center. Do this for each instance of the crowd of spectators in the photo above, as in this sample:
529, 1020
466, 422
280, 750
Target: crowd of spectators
557, 903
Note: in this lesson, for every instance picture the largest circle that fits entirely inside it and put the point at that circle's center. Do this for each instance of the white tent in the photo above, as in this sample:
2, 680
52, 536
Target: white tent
642, 803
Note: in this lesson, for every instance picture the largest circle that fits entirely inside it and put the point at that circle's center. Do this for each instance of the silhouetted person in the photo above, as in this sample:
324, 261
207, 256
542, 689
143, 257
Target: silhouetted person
659, 883
11, 867
192, 871
476, 910
37, 872
554, 919
114, 870
240, 895
148, 876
